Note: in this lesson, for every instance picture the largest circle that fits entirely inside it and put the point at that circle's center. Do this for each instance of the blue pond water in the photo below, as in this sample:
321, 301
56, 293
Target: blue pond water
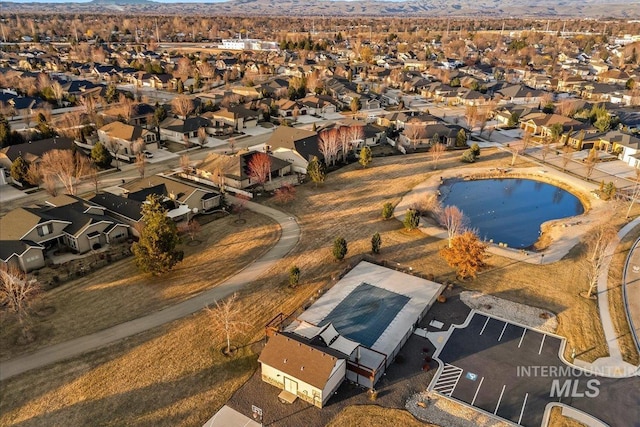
510, 210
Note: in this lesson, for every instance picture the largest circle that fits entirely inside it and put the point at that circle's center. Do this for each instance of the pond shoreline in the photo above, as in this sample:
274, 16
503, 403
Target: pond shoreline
557, 236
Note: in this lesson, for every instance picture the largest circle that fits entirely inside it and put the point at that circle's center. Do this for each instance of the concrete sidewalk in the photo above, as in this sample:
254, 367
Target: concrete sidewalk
614, 362
631, 291
289, 237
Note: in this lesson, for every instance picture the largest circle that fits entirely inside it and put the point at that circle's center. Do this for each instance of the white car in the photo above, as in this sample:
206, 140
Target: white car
148, 154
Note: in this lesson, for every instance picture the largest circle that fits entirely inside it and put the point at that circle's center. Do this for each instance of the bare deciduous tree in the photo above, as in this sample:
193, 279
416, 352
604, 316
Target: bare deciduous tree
58, 92
260, 168
202, 137
454, 221
182, 105
190, 228
437, 150
185, 163
285, 194
329, 145
356, 135
590, 162
344, 136
565, 158
34, 175
17, 292
227, 318
596, 257
414, 131
66, 166
141, 164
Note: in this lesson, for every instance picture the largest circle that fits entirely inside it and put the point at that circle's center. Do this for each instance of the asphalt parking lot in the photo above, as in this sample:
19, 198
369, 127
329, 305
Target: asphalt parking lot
513, 372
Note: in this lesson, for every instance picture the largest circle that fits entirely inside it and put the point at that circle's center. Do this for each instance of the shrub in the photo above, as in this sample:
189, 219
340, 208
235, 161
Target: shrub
411, 219
339, 248
294, 276
387, 211
376, 242
468, 156
475, 149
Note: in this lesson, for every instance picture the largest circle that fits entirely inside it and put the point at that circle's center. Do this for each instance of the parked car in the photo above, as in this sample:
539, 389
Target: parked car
148, 154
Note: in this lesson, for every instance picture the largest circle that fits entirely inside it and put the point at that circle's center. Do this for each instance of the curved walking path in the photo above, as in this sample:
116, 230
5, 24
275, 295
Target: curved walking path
613, 364
631, 291
289, 237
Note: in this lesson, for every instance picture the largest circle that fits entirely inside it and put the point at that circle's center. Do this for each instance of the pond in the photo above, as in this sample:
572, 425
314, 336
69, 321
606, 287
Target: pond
509, 210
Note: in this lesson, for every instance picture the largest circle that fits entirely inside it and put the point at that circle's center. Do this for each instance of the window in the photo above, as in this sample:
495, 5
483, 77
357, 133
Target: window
45, 230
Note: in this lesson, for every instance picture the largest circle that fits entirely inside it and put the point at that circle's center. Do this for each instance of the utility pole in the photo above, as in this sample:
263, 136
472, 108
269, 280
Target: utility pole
157, 32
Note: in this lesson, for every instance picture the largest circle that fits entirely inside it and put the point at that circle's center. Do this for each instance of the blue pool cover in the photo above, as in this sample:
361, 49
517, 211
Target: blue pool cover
364, 314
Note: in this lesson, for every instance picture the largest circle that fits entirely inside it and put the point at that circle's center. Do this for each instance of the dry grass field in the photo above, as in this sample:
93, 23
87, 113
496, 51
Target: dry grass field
616, 303
176, 376
374, 416
118, 292
558, 420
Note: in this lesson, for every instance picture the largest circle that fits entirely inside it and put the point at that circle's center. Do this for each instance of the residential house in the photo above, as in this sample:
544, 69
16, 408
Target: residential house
287, 108
626, 146
617, 77
237, 116
542, 124
319, 105
121, 208
65, 221
180, 130
521, 94
126, 140
139, 114
194, 199
236, 171
33, 151
295, 146
19, 106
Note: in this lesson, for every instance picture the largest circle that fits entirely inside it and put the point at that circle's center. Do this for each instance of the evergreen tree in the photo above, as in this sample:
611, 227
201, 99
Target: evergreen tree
339, 248
365, 156
101, 156
19, 169
112, 94
387, 210
461, 138
294, 276
411, 219
376, 242
156, 252
5, 131
315, 170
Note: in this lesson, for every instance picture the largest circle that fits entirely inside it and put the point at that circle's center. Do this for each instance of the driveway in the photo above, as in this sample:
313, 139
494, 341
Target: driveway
290, 234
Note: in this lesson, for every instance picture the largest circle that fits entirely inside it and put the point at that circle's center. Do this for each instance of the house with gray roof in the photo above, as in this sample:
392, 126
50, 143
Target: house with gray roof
63, 222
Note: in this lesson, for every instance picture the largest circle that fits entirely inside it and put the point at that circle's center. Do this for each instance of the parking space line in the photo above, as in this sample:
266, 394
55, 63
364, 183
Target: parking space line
524, 331
502, 333
523, 405
499, 400
485, 325
477, 390
542, 343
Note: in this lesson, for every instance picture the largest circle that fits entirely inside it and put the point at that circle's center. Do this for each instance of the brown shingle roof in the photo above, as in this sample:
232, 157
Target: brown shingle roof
298, 360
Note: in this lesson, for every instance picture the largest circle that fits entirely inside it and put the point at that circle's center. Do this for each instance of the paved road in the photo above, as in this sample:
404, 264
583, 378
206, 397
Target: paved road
290, 235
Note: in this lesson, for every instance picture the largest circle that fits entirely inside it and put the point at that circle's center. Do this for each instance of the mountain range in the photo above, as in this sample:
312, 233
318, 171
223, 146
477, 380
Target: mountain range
627, 9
